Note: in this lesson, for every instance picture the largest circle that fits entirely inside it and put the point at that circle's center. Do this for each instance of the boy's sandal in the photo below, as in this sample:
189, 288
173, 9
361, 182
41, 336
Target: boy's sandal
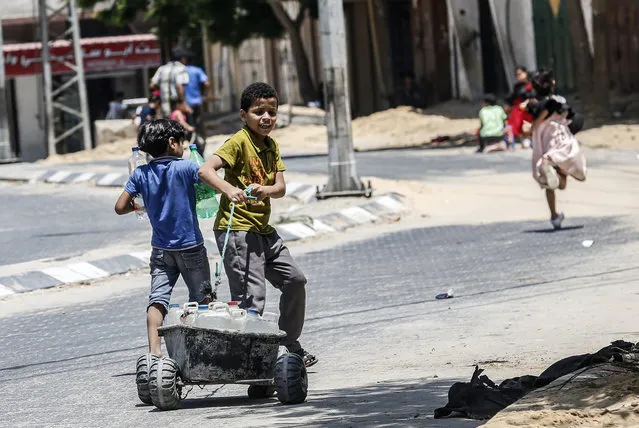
309, 359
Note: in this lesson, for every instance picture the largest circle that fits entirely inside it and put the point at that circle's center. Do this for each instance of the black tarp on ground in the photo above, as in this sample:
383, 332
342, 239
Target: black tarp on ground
481, 398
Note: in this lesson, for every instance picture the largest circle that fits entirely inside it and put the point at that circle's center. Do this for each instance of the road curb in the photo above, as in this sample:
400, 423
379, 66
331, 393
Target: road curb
85, 271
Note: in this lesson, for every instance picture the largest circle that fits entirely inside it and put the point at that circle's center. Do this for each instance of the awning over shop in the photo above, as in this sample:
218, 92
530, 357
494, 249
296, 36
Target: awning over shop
99, 53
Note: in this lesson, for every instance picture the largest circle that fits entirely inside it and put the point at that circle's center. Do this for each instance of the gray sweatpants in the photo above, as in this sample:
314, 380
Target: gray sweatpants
250, 260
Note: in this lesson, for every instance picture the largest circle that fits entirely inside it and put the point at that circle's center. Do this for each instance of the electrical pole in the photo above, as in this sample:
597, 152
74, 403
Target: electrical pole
342, 172
55, 99
6, 153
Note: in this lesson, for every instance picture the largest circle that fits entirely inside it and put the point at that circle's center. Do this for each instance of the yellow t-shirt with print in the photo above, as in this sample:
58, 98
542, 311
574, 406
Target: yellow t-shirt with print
248, 161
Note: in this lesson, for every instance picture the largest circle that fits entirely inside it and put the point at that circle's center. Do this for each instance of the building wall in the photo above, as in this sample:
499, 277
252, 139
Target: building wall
513, 21
465, 20
29, 112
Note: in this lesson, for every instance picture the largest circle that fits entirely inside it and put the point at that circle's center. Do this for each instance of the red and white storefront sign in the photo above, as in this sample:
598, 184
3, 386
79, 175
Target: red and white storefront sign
99, 54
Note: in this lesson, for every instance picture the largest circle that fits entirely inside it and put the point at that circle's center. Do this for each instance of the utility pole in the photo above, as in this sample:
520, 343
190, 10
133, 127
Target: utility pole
6, 153
342, 172
55, 98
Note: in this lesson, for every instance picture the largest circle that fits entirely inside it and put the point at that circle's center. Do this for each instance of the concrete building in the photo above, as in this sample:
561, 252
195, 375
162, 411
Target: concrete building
115, 61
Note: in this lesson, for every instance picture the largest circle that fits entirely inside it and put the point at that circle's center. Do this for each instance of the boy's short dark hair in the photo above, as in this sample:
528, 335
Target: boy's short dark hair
254, 92
490, 99
153, 136
542, 82
154, 99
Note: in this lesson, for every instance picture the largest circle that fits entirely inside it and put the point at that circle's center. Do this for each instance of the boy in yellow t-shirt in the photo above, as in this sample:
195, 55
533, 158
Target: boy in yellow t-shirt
255, 252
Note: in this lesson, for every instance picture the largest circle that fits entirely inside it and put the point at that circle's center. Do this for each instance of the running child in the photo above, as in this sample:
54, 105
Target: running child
556, 151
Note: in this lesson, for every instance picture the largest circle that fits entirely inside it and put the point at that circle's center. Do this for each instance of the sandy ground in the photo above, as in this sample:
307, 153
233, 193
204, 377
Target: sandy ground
604, 396
621, 136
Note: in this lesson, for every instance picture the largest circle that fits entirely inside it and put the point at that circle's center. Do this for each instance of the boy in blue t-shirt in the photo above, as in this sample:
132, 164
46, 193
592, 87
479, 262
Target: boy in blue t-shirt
166, 186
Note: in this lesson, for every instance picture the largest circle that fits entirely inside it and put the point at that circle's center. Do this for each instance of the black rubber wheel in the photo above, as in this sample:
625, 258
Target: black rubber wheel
261, 391
163, 387
142, 377
291, 379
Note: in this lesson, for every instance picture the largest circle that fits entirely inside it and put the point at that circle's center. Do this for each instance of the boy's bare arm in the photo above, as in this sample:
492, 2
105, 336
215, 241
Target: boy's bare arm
277, 190
124, 205
208, 175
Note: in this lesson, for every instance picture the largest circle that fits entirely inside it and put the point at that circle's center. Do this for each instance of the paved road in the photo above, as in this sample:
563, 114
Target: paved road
431, 165
42, 221
73, 367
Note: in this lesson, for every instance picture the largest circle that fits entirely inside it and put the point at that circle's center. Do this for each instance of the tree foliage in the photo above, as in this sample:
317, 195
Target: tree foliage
228, 21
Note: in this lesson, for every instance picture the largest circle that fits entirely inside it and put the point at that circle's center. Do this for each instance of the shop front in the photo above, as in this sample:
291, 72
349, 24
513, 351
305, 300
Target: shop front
111, 64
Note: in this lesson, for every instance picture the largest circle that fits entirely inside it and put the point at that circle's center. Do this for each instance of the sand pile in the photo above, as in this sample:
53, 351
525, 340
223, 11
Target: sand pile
398, 127
606, 396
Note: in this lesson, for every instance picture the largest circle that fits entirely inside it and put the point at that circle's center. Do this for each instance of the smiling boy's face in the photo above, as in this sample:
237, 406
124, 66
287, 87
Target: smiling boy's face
261, 116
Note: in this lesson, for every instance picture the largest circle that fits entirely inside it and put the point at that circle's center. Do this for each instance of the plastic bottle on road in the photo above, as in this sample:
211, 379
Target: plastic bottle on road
206, 204
135, 160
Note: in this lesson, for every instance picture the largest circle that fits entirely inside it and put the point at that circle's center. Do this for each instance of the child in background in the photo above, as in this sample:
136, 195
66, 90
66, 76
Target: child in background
492, 118
179, 113
556, 151
148, 111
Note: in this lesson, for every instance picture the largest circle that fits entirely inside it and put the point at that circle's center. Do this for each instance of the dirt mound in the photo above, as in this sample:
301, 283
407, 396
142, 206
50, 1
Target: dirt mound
603, 396
398, 127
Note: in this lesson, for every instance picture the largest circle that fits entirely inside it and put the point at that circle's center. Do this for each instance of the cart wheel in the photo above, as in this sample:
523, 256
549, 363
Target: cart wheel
163, 387
291, 379
142, 377
261, 391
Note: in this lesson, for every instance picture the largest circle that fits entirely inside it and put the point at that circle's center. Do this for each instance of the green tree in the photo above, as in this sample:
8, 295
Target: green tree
228, 21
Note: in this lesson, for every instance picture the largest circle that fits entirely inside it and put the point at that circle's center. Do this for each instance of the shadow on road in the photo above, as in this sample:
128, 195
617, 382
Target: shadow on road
388, 404
549, 230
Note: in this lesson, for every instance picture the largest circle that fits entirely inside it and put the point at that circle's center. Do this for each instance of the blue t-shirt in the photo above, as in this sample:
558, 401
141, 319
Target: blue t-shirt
192, 93
166, 186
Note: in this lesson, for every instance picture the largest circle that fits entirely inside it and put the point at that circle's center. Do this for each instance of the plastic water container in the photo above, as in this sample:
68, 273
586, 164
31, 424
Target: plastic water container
174, 314
216, 316
190, 312
271, 319
137, 159
238, 318
254, 323
206, 205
